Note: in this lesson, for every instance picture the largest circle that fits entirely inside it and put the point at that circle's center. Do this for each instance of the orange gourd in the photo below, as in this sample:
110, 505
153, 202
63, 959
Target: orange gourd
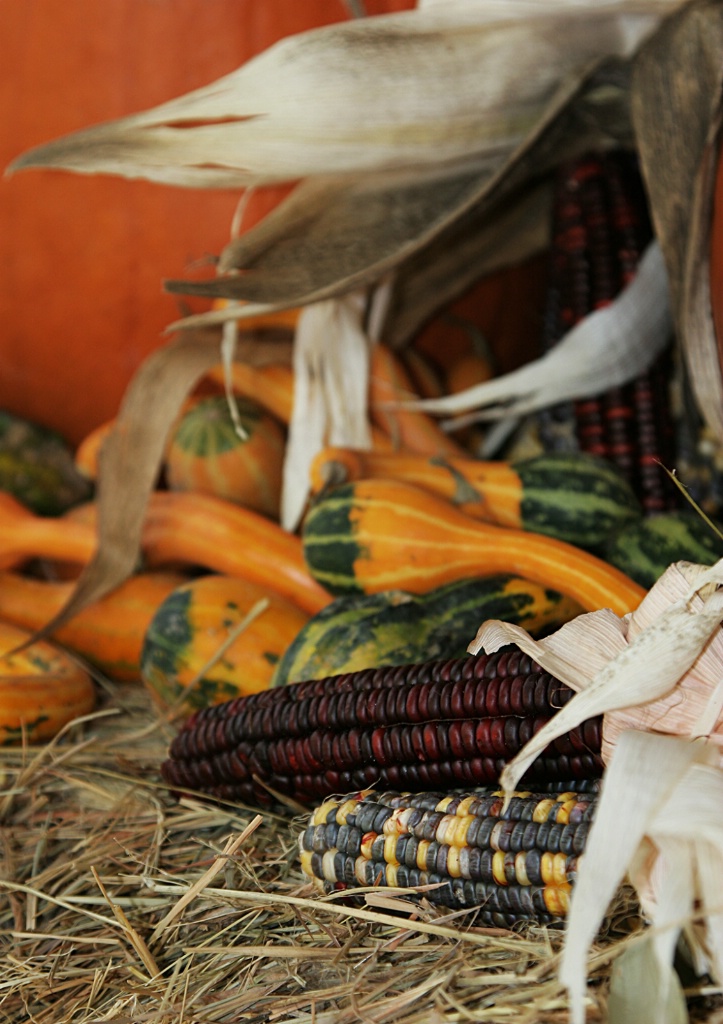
191, 529
572, 496
42, 688
204, 530
108, 634
410, 430
272, 386
376, 535
24, 535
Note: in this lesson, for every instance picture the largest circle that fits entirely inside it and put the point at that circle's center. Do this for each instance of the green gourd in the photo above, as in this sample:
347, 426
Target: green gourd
397, 628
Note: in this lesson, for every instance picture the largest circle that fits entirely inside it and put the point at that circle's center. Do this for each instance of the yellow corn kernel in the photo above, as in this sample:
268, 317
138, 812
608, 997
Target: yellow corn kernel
390, 849
390, 874
553, 868
521, 869
422, 851
360, 869
322, 812
498, 867
559, 869
366, 844
557, 899
563, 814
327, 866
454, 867
458, 835
305, 861
345, 809
464, 806
445, 828
542, 811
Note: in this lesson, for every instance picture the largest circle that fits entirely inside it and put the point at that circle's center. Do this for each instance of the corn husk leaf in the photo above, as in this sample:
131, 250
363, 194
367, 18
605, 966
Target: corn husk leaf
331, 385
383, 179
671, 836
676, 96
656, 671
319, 102
649, 661
676, 119
334, 234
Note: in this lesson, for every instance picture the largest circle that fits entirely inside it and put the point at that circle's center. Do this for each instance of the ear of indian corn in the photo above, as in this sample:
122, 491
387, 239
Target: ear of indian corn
600, 229
465, 849
412, 727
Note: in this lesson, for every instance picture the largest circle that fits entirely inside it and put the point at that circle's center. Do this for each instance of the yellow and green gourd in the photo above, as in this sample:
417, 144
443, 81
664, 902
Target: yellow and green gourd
186, 661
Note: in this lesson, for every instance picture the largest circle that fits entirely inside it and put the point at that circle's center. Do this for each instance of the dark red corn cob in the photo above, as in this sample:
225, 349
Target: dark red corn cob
600, 228
414, 727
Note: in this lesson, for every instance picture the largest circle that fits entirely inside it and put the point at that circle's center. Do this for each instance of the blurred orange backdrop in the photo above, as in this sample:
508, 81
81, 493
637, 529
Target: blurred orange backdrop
83, 258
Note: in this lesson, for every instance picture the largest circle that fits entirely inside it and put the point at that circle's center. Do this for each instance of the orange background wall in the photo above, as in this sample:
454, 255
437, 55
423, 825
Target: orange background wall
82, 259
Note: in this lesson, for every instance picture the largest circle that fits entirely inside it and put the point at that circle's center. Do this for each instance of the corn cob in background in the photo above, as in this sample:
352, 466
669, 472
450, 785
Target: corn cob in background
600, 228
515, 864
439, 724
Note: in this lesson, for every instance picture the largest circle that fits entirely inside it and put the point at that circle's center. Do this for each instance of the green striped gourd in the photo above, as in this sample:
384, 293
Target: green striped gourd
645, 549
398, 628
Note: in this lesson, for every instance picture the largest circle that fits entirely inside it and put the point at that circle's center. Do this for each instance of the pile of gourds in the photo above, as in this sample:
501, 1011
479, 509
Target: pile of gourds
404, 550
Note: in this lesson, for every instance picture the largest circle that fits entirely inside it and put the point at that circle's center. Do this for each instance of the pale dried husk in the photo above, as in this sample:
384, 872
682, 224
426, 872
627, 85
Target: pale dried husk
655, 676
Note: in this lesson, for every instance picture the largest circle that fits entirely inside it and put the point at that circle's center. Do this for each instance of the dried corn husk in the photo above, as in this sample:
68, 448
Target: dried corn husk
655, 676
426, 91
331, 384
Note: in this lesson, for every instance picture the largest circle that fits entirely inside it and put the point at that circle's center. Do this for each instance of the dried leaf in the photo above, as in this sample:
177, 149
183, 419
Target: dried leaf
332, 235
642, 992
468, 82
676, 813
676, 95
331, 385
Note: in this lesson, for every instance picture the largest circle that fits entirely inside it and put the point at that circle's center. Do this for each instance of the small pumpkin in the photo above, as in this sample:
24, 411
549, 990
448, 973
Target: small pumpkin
42, 688
210, 455
184, 662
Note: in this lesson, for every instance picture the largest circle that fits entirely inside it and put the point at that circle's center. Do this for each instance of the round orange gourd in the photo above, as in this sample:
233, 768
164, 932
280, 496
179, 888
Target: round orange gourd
41, 688
180, 663
208, 454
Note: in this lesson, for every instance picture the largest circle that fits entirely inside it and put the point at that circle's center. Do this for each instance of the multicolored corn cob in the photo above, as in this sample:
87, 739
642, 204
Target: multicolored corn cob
515, 863
600, 228
439, 724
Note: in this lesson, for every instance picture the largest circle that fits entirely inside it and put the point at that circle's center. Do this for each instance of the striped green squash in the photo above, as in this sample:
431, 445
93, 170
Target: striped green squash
398, 628
576, 497
645, 549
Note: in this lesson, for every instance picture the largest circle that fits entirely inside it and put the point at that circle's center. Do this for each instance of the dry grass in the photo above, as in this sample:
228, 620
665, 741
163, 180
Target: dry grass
120, 903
